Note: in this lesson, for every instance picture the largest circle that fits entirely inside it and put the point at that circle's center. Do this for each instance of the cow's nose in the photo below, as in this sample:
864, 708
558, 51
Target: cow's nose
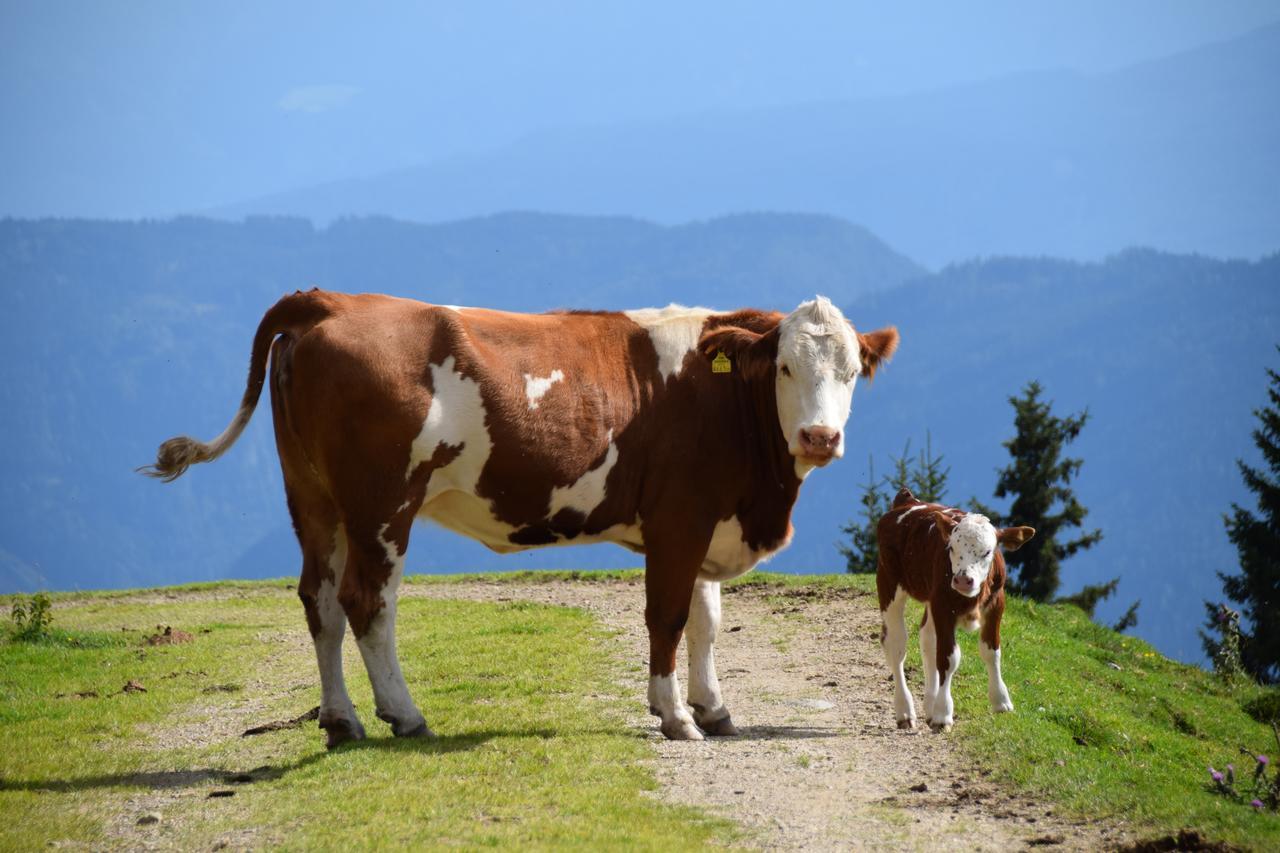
964, 582
820, 441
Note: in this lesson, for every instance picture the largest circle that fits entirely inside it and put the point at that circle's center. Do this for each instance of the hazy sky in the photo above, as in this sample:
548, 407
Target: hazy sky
146, 108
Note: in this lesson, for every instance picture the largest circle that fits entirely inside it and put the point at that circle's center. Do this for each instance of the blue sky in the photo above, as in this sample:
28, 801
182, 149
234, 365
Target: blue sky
149, 108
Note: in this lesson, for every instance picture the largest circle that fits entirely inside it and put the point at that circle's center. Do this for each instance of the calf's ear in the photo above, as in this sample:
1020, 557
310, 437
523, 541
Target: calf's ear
751, 353
1013, 538
875, 348
944, 524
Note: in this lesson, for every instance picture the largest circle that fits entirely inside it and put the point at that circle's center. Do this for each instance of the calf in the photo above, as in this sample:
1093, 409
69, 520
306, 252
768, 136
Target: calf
951, 561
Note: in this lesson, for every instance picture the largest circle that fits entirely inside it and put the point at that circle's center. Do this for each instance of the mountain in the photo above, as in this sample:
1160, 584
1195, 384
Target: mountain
115, 336
1177, 153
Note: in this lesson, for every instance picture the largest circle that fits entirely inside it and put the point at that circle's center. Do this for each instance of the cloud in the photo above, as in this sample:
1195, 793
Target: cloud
317, 99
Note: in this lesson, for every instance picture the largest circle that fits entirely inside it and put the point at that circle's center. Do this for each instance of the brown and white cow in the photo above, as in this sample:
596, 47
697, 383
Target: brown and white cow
950, 560
681, 433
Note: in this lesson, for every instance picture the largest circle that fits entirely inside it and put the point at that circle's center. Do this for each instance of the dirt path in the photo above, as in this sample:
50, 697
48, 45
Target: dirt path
819, 763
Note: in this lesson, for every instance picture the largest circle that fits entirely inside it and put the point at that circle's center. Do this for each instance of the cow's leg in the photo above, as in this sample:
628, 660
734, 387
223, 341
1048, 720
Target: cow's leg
671, 568
989, 650
929, 661
700, 635
375, 565
324, 555
893, 636
947, 655
318, 590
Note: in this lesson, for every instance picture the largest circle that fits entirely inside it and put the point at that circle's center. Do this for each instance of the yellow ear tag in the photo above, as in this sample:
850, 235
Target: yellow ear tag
721, 363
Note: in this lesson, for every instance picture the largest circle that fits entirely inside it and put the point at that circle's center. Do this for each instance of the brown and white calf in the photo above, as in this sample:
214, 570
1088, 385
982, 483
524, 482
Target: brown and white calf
681, 433
950, 560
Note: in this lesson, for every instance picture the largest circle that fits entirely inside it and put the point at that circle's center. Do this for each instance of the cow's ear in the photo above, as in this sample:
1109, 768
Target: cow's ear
1013, 538
944, 524
751, 354
876, 348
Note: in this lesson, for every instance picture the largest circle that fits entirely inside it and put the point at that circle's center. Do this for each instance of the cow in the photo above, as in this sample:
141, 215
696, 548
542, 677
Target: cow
950, 560
681, 433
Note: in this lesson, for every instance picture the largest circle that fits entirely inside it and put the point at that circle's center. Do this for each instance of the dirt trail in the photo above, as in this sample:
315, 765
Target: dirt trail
820, 763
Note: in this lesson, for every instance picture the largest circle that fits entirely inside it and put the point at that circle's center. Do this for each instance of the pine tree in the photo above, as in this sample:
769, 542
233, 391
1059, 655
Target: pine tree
863, 554
1257, 539
1038, 478
927, 479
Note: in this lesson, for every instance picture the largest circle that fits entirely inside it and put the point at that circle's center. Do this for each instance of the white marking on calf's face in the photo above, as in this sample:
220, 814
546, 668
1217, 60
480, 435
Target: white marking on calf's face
536, 387
971, 549
817, 367
674, 331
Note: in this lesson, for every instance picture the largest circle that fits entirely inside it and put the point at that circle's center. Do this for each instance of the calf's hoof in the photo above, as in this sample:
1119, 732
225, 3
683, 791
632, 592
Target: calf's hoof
907, 725
679, 729
403, 728
941, 728
340, 730
722, 727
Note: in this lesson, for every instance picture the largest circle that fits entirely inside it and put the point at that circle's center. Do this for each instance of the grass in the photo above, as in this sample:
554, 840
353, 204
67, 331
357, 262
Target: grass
1106, 727
534, 749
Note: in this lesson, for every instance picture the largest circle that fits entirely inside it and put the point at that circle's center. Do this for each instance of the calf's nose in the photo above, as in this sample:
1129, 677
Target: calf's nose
820, 440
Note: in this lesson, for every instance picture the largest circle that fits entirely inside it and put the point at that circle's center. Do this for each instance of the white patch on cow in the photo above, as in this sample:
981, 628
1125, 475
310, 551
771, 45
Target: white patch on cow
729, 555
820, 353
665, 701
997, 692
903, 513
700, 637
971, 548
674, 331
535, 387
457, 309
456, 417
587, 492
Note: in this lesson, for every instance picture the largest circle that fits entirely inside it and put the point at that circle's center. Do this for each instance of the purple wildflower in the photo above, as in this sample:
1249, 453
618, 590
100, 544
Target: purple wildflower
1257, 804
1217, 777
1263, 760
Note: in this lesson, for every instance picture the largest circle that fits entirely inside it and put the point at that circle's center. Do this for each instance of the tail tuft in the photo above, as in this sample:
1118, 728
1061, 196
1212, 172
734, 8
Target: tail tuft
174, 457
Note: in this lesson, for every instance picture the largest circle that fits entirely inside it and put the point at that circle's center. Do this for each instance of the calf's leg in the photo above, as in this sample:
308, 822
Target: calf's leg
942, 711
929, 660
709, 710
989, 650
893, 637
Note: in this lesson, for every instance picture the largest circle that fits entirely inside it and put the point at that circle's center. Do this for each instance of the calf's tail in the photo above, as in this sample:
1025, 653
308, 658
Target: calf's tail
292, 316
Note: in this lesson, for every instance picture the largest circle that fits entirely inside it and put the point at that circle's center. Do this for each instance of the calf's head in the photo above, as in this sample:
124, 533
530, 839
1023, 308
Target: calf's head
813, 358
971, 546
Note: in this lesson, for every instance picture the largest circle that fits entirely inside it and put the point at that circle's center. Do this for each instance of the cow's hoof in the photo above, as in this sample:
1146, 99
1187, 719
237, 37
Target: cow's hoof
907, 725
1001, 707
341, 730
402, 728
940, 728
679, 729
722, 727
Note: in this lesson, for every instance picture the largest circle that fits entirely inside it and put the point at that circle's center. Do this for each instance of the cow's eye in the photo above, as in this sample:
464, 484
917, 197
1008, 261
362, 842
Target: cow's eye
786, 371
988, 554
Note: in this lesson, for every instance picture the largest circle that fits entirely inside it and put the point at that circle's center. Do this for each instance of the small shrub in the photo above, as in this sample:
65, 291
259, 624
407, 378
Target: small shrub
1265, 707
32, 618
1261, 792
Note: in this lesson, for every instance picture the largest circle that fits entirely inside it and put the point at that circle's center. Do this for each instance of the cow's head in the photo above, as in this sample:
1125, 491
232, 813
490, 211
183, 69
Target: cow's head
814, 358
971, 547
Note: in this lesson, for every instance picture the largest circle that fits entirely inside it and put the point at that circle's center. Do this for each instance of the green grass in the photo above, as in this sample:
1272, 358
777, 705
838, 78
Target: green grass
529, 702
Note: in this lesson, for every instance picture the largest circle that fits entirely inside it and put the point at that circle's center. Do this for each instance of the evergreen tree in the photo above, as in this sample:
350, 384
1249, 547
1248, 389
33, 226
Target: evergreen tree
1038, 478
862, 554
1257, 539
927, 479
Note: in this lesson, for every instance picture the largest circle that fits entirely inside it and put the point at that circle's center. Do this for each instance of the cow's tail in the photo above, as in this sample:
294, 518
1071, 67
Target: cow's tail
292, 316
